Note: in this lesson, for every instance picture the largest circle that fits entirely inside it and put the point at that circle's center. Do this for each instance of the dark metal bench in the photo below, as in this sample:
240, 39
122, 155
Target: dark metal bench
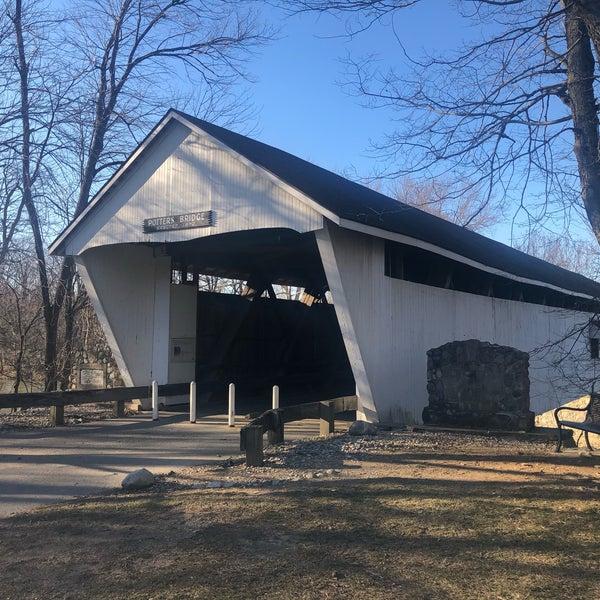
591, 423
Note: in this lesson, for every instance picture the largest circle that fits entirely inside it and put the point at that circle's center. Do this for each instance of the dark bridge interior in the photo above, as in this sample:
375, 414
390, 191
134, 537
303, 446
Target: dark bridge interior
264, 317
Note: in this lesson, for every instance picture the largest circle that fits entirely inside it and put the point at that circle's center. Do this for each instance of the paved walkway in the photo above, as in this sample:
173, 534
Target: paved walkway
43, 466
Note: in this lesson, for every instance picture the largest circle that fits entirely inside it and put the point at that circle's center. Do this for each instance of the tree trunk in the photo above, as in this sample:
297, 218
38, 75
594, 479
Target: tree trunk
53, 372
591, 15
580, 84
69, 315
19, 365
26, 179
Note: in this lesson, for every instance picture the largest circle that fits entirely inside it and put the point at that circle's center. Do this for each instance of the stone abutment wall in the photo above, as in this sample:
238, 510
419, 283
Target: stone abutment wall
478, 384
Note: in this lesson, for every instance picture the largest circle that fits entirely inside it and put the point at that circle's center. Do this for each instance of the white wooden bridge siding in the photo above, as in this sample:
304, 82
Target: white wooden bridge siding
393, 323
141, 313
129, 288
129, 283
189, 172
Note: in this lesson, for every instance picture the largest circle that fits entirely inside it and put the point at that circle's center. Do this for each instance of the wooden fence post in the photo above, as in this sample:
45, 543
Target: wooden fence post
326, 417
275, 435
119, 408
57, 415
253, 444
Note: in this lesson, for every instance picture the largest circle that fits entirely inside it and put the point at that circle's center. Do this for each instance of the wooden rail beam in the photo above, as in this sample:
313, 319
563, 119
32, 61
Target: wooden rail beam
71, 397
59, 399
272, 422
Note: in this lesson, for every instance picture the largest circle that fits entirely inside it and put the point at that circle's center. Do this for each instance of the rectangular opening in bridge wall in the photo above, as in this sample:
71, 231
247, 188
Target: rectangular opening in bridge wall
428, 268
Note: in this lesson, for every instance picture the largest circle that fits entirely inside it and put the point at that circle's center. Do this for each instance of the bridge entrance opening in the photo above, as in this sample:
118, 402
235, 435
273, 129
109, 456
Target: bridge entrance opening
263, 317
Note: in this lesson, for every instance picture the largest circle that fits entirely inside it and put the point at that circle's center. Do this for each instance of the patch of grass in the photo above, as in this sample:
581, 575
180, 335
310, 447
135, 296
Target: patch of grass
436, 536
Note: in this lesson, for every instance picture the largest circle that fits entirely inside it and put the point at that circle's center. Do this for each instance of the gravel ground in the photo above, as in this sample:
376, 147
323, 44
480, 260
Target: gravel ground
36, 418
342, 455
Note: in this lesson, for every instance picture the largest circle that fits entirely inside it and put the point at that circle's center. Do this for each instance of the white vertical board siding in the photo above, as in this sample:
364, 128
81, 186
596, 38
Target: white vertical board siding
122, 282
161, 288
182, 327
112, 221
395, 322
188, 172
366, 405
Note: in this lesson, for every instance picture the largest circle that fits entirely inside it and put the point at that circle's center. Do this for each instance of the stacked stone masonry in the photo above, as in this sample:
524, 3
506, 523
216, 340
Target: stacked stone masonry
478, 384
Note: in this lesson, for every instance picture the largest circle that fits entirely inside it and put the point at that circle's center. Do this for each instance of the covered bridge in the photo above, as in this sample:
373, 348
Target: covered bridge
198, 210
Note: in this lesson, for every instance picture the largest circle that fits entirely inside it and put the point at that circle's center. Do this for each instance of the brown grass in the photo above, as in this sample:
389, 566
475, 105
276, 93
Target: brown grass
412, 525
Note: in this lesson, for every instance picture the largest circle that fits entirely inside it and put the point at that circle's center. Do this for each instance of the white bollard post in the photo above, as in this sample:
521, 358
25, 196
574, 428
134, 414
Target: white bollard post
192, 402
154, 401
231, 419
275, 397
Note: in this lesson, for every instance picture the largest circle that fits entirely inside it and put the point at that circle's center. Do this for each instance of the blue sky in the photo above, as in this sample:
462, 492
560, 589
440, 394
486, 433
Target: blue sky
303, 107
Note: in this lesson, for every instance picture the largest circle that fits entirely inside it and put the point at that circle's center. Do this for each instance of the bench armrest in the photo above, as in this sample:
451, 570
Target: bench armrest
583, 409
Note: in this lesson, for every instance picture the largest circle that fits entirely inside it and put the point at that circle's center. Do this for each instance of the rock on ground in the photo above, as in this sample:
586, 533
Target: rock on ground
136, 480
362, 428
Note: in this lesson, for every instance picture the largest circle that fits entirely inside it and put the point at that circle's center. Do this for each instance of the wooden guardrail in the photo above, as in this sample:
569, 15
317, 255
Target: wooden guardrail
60, 399
272, 422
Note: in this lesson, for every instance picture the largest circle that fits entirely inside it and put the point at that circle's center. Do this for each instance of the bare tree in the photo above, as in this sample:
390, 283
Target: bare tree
11, 201
515, 111
11, 207
468, 209
220, 285
21, 322
129, 53
36, 114
85, 82
578, 255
